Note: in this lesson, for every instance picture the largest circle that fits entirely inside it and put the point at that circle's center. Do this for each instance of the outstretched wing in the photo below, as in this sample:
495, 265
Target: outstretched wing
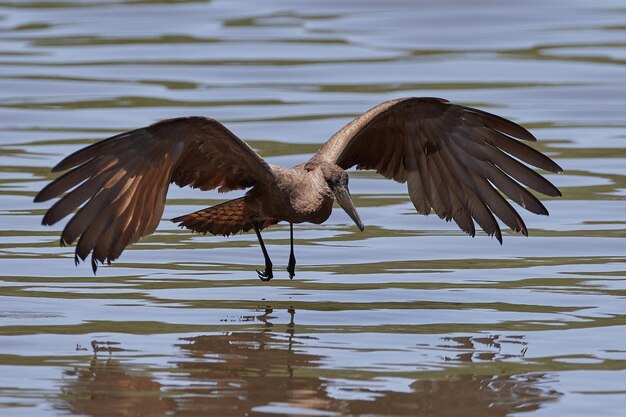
122, 182
452, 157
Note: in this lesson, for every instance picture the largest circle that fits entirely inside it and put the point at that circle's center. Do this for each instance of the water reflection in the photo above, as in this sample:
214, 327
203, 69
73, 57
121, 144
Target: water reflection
234, 373
109, 387
465, 395
244, 373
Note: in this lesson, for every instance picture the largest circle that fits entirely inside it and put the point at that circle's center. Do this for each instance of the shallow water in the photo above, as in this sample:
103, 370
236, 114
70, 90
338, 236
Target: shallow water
410, 317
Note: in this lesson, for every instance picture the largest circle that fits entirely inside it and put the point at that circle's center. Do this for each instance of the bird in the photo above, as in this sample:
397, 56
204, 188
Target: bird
458, 162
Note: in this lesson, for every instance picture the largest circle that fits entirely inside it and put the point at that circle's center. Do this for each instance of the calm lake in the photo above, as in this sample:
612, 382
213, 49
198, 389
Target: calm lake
410, 317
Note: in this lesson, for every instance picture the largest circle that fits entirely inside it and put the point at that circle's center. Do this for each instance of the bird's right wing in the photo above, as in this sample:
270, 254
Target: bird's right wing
122, 182
454, 158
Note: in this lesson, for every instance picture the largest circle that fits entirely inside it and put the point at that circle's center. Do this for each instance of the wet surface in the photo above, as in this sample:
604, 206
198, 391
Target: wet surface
410, 317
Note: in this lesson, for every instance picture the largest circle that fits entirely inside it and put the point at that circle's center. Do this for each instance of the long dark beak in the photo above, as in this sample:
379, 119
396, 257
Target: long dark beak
342, 196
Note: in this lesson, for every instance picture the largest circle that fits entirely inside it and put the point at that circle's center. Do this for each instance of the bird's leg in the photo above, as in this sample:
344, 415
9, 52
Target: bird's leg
267, 274
291, 266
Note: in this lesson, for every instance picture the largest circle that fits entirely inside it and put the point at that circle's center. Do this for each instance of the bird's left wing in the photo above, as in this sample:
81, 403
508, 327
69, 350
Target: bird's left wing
454, 158
122, 182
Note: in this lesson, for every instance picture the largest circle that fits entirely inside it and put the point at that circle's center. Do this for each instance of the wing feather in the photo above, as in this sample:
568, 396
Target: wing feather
456, 160
417, 182
119, 185
439, 173
477, 206
499, 179
120, 211
519, 150
71, 201
458, 208
494, 200
72, 178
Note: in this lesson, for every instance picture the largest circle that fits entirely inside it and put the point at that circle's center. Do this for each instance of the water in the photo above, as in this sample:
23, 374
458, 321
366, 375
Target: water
410, 317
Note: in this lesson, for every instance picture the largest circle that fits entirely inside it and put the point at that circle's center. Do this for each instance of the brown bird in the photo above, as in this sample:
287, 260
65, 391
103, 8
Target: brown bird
453, 158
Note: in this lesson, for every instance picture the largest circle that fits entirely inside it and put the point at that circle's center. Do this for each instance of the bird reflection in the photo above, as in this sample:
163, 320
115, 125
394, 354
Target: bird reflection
267, 317
464, 395
237, 372
109, 387
249, 372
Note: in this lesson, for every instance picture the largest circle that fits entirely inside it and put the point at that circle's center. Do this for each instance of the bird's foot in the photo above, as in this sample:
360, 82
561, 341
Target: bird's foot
291, 267
265, 275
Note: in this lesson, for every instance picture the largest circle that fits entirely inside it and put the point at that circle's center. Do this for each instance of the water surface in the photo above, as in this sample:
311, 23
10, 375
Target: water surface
410, 317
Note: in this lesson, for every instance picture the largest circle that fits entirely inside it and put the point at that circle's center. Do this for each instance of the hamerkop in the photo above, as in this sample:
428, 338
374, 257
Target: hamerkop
454, 160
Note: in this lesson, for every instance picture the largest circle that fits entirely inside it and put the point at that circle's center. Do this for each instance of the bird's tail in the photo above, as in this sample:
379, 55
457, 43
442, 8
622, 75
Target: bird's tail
224, 219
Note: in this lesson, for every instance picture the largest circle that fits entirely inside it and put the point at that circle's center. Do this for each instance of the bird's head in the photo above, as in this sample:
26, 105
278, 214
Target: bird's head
337, 180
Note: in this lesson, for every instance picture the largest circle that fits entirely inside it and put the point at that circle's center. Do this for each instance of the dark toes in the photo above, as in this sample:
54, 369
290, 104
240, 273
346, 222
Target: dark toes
265, 275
